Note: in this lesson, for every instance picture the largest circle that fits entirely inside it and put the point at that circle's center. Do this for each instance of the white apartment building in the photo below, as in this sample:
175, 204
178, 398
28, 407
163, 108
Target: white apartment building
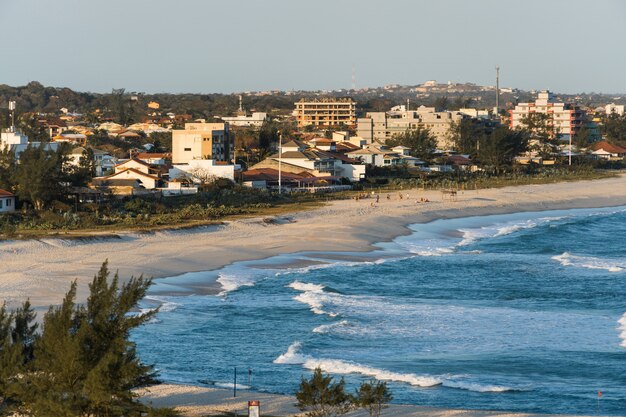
565, 119
380, 126
325, 112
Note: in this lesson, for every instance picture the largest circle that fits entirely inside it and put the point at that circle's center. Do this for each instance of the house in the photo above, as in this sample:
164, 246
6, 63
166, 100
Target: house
121, 186
269, 178
7, 201
141, 166
607, 151
147, 181
154, 158
297, 157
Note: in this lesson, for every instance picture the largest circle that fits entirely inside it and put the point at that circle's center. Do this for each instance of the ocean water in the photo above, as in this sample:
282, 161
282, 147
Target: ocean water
523, 312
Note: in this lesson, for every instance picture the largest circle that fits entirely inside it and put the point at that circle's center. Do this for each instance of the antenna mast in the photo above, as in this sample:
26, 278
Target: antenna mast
497, 90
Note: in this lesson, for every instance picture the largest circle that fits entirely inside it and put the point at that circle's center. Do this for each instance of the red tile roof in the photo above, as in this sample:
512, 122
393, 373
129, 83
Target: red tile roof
5, 193
606, 146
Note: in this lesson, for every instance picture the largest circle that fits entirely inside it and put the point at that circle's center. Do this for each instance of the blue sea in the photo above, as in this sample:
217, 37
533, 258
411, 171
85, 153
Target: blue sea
522, 312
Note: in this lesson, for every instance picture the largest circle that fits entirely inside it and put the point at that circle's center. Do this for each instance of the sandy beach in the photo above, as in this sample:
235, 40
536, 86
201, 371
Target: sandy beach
194, 401
43, 269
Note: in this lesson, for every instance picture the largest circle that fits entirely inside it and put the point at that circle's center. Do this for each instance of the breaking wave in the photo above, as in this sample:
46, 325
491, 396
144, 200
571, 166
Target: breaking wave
293, 356
589, 262
327, 328
622, 329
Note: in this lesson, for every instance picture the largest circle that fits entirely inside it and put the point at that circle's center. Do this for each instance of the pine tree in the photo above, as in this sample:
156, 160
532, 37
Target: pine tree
373, 396
17, 336
321, 397
84, 363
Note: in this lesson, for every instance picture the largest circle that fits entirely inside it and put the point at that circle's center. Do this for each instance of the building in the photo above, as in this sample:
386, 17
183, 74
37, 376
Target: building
607, 151
203, 170
614, 108
325, 112
10, 138
202, 141
564, 119
380, 156
297, 157
381, 126
7, 201
255, 120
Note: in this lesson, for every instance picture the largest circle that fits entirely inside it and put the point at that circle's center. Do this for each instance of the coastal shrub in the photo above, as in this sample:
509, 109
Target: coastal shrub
373, 396
321, 397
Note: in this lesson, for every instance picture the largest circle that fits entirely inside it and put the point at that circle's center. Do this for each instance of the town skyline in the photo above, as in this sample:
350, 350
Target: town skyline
199, 47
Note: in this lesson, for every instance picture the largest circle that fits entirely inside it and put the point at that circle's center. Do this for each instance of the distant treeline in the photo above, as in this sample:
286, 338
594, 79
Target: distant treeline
34, 97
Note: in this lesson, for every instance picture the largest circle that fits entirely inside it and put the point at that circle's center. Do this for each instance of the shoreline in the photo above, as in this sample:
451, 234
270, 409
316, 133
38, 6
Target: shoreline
338, 226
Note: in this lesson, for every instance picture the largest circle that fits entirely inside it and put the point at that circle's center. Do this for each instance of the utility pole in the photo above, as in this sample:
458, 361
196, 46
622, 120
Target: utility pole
235, 384
497, 90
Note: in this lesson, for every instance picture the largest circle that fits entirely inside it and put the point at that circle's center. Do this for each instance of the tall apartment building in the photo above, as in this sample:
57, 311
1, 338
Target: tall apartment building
380, 126
325, 112
565, 119
202, 141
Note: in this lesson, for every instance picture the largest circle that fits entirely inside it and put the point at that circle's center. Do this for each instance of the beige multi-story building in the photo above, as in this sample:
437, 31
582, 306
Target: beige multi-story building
325, 112
380, 126
564, 119
202, 141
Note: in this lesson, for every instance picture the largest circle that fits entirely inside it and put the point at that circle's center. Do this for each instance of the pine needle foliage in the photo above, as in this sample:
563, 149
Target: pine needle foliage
321, 397
82, 363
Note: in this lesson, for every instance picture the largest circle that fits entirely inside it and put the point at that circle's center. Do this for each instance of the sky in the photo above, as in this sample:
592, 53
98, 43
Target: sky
205, 46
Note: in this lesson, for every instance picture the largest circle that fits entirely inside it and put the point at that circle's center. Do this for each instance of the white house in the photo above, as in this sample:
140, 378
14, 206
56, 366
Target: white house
7, 201
296, 157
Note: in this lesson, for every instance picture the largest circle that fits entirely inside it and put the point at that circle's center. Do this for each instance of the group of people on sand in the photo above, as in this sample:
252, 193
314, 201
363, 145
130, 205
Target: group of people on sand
401, 196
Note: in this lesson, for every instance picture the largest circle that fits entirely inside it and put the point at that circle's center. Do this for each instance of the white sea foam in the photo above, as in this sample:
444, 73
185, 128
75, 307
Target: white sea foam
503, 229
234, 277
622, 329
303, 286
327, 328
436, 251
313, 295
230, 385
343, 367
476, 387
589, 262
164, 304
294, 357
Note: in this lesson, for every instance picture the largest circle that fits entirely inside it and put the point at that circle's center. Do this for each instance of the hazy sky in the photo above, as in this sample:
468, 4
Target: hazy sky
239, 45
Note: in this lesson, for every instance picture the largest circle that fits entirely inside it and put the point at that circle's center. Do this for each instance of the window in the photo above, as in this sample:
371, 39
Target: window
1, 203
187, 149
8, 202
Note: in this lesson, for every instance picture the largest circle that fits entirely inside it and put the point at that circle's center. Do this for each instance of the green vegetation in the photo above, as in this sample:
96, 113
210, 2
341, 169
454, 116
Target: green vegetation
373, 396
321, 397
82, 363
420, 141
